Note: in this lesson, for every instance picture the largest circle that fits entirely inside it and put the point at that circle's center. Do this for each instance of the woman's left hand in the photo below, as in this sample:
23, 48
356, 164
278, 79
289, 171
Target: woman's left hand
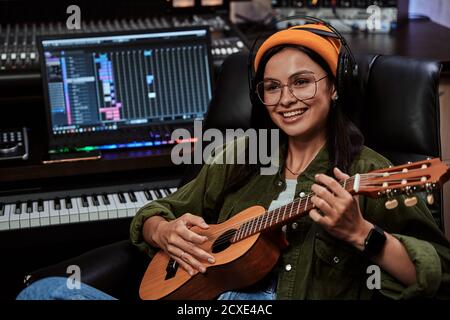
342, 217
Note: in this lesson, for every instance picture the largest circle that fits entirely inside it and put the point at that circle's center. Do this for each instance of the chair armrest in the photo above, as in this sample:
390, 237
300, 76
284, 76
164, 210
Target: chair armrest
116, 269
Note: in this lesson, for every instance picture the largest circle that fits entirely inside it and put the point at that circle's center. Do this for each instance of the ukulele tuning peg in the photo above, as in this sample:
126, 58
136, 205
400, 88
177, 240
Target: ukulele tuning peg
430, 198
411, 201
391, 203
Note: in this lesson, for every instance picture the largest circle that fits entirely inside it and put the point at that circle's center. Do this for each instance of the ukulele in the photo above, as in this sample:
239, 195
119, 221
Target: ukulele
247, 246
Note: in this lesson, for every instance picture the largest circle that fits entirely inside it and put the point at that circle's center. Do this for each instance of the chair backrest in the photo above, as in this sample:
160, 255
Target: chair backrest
394, 102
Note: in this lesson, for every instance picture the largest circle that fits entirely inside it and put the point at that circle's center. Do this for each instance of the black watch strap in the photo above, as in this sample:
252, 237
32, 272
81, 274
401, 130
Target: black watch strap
374, 242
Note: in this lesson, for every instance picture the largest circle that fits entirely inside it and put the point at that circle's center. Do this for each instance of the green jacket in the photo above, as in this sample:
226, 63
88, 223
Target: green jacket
320, 266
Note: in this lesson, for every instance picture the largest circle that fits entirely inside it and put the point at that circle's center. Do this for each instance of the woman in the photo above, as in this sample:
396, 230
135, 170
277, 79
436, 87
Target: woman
295, 76
327, 257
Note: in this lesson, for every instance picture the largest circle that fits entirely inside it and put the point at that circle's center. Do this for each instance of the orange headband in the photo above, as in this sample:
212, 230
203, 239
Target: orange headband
327, 47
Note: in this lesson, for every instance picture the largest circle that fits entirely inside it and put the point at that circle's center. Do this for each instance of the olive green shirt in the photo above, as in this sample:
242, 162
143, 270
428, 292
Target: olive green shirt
316, 265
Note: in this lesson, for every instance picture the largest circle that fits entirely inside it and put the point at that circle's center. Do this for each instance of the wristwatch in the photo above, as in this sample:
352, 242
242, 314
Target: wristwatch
374, 242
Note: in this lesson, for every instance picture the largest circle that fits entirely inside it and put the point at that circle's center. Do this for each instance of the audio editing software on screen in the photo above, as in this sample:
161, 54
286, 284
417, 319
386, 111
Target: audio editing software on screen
110, 82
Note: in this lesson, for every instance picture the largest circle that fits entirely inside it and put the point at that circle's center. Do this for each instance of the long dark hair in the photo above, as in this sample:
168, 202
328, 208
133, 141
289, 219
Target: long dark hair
344, 140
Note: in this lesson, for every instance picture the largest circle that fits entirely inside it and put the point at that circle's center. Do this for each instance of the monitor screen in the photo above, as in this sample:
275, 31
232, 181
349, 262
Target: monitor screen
112, 87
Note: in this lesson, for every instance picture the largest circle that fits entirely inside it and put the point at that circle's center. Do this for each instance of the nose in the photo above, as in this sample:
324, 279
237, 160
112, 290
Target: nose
287, 98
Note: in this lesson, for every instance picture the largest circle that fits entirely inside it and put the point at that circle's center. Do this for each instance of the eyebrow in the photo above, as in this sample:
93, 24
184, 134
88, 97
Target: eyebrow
292, 75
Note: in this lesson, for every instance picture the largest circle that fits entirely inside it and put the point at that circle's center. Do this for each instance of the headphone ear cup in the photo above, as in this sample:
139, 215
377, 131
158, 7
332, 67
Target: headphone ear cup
341, 74
251, 78
252, 89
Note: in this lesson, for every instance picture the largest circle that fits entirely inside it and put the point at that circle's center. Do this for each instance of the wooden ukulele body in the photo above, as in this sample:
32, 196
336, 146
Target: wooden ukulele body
238, 265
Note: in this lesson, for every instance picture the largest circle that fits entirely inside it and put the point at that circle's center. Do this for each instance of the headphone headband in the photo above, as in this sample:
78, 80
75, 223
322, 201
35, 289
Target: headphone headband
319, 32
348, 57
335, 33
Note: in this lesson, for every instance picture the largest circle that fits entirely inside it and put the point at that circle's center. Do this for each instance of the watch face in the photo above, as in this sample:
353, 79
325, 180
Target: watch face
375, 241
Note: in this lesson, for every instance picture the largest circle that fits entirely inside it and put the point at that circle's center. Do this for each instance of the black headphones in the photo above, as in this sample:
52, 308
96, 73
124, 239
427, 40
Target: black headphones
347, 68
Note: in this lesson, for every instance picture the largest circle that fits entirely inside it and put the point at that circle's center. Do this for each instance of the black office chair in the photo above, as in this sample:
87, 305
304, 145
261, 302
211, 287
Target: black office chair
395, 103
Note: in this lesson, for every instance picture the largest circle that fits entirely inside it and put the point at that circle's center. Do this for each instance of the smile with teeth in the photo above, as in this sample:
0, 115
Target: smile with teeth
294, 113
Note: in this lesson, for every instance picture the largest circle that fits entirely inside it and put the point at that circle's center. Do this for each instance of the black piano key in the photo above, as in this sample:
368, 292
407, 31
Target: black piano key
147, 195
40, 205
132, 196
95, 200
167, 190
57, 204
69, 204
84, 201
158, 194
105, 199
29, 206
153, 195
18, 209
121, 197
2, 209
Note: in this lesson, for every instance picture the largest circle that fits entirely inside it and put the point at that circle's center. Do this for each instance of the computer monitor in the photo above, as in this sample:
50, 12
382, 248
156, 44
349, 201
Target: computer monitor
124, 89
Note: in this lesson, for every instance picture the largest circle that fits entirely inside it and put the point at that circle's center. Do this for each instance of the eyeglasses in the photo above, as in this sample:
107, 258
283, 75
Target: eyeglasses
302, 87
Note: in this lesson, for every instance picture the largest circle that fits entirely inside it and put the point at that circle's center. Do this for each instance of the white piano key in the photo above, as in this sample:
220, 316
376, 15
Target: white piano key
173, 189
102, 209
131, 207
14, 219
64, 215
142, 200
24, 217
54, 214
153, 194
35, 221
4, 219
121, 208
112, 208
93, 211
83, 211
44, 216
74, 213
162, 193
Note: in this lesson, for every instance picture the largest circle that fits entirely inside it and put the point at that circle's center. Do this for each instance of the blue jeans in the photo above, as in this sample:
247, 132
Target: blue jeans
56, 288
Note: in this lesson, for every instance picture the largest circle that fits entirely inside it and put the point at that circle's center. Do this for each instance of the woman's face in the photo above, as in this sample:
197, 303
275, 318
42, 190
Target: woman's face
300, 119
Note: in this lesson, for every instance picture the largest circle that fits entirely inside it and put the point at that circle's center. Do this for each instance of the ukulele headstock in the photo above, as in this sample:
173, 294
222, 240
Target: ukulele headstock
406, 179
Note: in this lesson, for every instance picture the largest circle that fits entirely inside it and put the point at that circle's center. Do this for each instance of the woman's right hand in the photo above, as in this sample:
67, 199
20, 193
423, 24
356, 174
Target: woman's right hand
182, 244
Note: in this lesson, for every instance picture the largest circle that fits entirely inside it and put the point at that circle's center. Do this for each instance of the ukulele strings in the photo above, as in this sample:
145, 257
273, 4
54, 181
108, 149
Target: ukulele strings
265, 216
364, 178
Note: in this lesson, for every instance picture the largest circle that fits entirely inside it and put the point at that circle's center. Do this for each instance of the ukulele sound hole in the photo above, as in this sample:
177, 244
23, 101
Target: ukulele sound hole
223, 241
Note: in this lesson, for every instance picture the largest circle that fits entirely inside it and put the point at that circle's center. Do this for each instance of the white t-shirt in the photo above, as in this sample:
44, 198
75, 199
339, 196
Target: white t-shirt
285, 196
